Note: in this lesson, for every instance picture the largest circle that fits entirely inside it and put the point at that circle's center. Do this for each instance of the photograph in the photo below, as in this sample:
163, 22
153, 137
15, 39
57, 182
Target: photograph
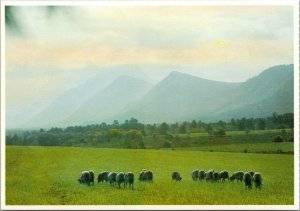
132, 105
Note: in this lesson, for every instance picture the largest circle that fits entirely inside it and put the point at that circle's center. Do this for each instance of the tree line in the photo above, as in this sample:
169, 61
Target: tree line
132, 133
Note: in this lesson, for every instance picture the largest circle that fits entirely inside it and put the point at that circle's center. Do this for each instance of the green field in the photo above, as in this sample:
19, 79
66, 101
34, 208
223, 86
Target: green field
48, 176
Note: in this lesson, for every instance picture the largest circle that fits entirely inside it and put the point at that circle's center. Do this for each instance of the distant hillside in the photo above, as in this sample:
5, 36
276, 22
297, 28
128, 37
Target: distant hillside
109, 101
111, 96
182, 97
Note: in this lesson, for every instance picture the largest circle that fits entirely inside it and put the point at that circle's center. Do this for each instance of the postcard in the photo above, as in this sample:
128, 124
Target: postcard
150, 105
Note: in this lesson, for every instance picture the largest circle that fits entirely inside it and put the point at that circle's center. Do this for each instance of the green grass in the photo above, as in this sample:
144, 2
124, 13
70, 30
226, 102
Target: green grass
282, 147
48, 176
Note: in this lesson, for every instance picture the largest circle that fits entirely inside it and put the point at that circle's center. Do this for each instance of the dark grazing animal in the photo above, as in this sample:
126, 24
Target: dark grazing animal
129, 179
201, 175
224, 175
209, 175
146, 175
239, 175
215, 176
176, 176
195, 175
251, 172
120, 179
112, 178
248, 180
87, 177
258, 180
103, 176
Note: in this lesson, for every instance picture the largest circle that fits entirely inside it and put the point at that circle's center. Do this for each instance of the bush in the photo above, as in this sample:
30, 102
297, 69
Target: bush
220, 132
278, 139
166, 144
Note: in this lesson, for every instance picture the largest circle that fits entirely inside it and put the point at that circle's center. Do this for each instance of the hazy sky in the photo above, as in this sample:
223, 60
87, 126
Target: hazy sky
55, 49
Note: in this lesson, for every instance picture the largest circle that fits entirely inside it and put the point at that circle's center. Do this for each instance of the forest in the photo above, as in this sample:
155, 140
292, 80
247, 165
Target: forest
133, 134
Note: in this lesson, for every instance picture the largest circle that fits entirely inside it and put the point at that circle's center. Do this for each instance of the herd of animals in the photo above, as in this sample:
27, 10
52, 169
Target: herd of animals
127, 179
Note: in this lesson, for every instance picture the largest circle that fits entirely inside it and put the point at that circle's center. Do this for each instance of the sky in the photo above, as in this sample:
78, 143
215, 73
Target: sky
52, 49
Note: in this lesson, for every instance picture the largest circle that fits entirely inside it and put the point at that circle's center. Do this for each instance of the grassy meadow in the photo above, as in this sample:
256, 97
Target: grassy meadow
48, 176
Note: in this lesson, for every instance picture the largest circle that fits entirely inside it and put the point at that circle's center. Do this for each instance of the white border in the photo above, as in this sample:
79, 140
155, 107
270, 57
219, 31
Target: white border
293, 3
2, 115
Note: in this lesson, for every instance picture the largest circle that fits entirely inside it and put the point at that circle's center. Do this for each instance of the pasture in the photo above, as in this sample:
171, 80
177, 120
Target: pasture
48, 176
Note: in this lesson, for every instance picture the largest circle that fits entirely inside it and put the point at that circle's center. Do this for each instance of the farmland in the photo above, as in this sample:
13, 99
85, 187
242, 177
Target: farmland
38, 175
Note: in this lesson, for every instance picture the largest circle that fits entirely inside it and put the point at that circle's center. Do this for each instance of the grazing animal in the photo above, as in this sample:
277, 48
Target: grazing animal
258, 180
209, 175
224, 175
251, 172
195, 175
239, 175
120, 179
248, 180
129, 179
103, 176
87, 177
176, 176
201, 175
146, 175
112, 178
215, 176
92, 176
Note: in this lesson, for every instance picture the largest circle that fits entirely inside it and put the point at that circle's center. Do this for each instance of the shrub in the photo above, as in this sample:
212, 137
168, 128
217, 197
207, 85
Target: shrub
278, 139
220, 132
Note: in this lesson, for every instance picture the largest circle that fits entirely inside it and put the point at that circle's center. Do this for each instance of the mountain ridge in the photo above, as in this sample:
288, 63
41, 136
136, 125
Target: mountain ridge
181, 97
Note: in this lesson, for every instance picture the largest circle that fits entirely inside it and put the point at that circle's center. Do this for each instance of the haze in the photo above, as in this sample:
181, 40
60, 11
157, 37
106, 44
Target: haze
53, 49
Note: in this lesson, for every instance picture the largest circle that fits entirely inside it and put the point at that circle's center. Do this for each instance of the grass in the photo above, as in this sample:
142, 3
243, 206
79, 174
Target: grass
282, 147
48, 176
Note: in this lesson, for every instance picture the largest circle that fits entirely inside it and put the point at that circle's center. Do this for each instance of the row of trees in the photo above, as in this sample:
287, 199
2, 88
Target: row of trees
132, 133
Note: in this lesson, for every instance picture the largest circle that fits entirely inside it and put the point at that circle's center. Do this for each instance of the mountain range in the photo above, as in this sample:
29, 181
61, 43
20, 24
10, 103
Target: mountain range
178, 97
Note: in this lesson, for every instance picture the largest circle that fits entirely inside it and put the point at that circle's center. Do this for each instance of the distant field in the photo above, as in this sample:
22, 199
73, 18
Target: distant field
257, 141
48, 176
283, 147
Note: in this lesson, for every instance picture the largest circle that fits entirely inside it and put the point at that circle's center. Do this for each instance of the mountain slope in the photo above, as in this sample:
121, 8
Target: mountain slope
178, 97
70, 101
181, 97
106, 103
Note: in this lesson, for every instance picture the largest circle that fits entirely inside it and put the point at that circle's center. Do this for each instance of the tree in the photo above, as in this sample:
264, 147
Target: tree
261, 124
182, 128
242, 124
220, 132
116, 124
278, 139
163, 128
193, 124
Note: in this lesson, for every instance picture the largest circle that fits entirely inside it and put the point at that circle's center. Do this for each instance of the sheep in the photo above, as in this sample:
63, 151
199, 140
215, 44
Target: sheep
87, 177
224, 175
146, 175
176, 176
103, 176
129, 178
215, 176
120, 179
258, 180
209, 175
251, 172
112, 178
92, 176
237, 175
201, 175
248, 180
84, 177
195, 175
